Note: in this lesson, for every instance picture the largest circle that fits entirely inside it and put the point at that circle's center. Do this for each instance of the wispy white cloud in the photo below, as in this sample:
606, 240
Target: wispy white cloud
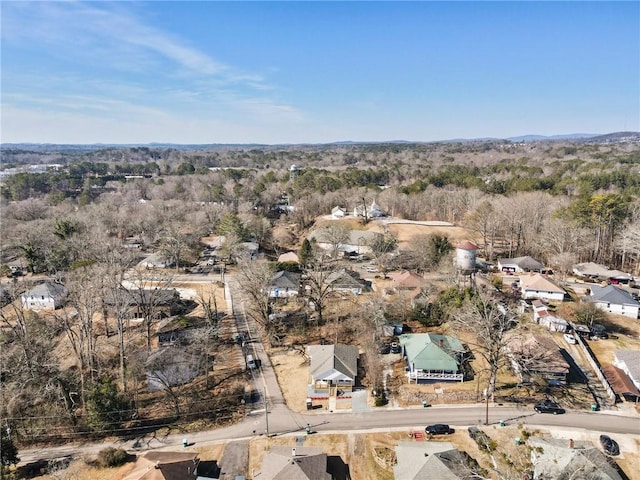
93, 30
102, 61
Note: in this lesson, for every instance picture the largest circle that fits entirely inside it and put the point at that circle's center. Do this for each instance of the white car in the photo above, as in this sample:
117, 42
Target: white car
570, 338
372, 270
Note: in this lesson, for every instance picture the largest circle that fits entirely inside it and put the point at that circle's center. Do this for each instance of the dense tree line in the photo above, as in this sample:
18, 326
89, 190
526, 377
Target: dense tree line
560, 203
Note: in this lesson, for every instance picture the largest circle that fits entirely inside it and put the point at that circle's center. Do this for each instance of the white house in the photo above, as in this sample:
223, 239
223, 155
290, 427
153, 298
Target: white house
372, 211
629, 362
543, 317
284, 284
614, 299
535, 285
519, 264
46, 296
357, 242
155, 260
333, 367
338, 212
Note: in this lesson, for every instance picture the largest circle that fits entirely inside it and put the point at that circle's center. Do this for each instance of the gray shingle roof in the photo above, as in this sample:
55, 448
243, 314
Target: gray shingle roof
324, 358
525, 263
429, 460
612, 294
308, 463
631, 359
48, 289
558, 461
284, 279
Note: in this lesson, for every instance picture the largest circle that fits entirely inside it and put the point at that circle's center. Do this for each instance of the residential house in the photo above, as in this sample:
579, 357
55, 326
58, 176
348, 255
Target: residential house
289, 257
346, 281
536, 285
600, 272
590, 270
629, 362
181, 329
156, 465
433, 357
338, 212
356, 244
614, 299
406, 281
45, 296
138, 302
284, 284
155, 260
168, 367
431, 460
536, 355
542, 316
558, 459
294, 463
372, 211
333, 367
250, 248
519, 264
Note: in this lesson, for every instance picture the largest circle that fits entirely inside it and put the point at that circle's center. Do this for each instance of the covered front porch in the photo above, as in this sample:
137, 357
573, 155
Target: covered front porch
421, 376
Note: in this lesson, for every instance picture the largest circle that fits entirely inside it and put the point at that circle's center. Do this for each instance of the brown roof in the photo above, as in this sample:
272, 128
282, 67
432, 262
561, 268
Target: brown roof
537, 353
619, 381
467, 245
164, 466
407, 279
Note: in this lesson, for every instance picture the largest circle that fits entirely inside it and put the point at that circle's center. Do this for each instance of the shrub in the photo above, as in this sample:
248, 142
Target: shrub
381, 401
112, 457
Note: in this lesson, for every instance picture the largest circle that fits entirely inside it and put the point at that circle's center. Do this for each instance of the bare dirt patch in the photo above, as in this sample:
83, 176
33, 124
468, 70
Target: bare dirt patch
292, 371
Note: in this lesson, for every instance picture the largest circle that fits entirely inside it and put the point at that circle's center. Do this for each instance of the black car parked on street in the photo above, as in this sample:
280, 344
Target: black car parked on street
547, 406
439, 429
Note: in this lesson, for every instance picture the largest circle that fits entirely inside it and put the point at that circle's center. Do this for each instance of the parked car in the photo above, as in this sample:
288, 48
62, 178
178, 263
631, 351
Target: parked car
384, 348
569, 338
395, 348
439, 429
547, 406
598, 332
609, 445
372, 269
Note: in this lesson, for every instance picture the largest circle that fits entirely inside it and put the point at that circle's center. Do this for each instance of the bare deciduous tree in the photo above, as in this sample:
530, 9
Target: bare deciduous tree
489, 322
335, 234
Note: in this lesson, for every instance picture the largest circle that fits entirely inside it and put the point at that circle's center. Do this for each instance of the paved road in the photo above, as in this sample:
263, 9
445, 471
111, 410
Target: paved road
282, 421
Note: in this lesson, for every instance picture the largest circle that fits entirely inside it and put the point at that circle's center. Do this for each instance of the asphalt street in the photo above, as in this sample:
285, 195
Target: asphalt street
280, 420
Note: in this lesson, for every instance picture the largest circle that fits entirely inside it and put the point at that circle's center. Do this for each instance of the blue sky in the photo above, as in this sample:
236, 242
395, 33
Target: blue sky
292, 72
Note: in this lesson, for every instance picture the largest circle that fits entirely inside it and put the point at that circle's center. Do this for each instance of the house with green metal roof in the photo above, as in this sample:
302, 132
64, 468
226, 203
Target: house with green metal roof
432, 357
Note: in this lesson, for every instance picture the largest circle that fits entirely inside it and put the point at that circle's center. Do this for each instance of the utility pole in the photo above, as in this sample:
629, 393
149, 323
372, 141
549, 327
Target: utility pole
266, 411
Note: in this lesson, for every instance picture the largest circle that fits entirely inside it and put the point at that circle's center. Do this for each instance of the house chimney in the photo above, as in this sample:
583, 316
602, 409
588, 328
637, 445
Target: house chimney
157, 464
441, 343
571, 444
293, 452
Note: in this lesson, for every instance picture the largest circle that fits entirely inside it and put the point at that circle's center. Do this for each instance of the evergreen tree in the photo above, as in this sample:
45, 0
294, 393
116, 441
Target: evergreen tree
8, 452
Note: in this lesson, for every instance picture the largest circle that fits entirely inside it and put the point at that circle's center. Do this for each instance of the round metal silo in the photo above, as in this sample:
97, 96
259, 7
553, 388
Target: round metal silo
466, 257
